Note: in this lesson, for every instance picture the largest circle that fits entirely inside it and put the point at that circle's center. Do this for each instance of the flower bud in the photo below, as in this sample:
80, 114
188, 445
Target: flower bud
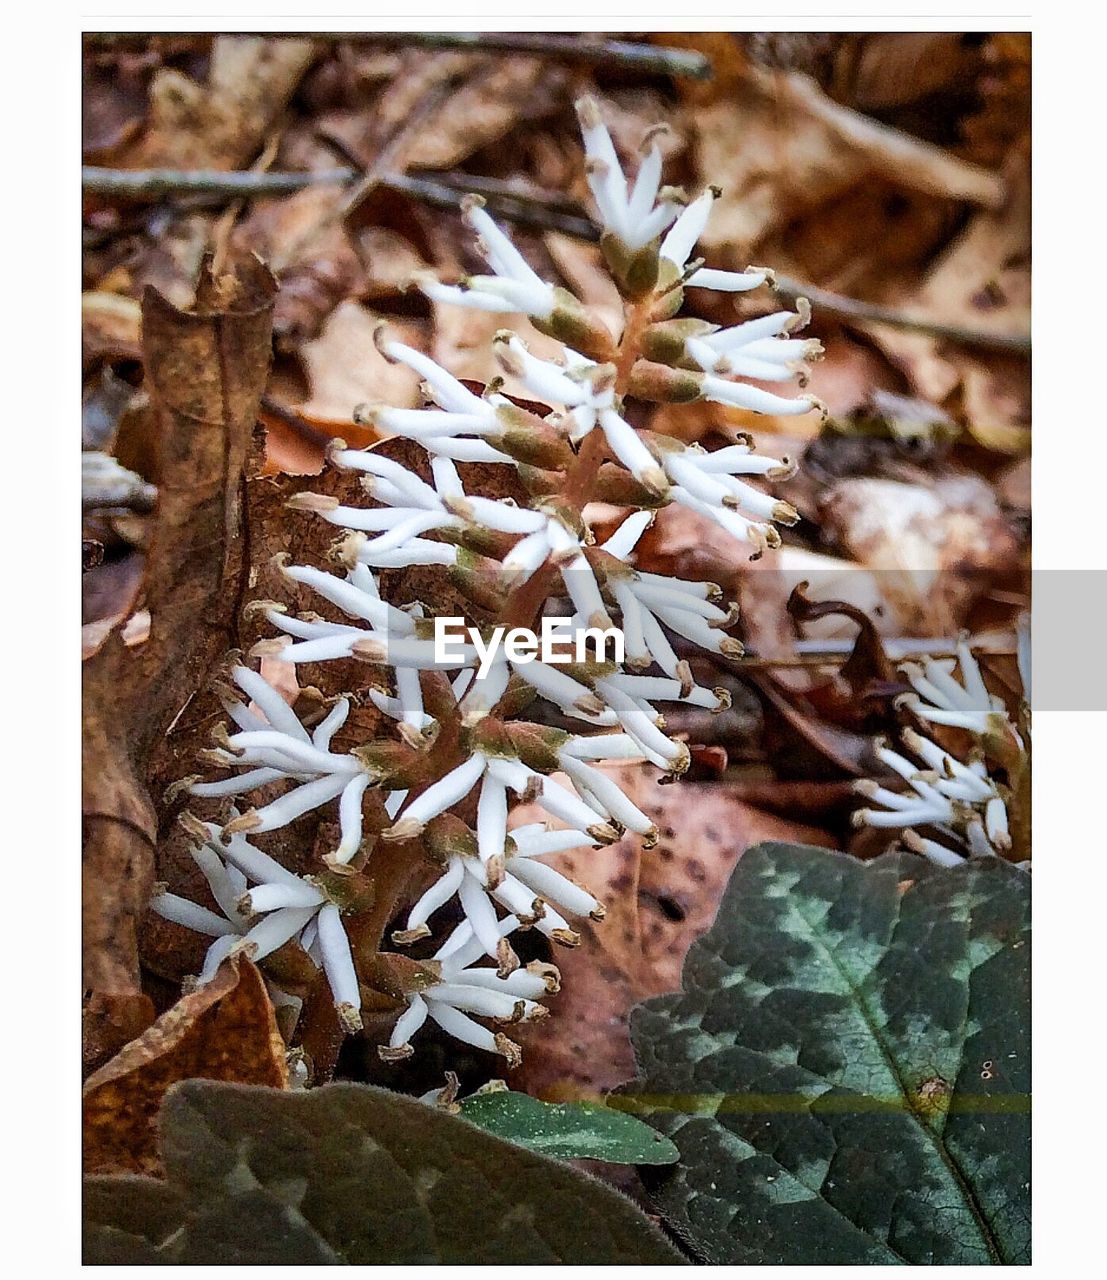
528, 439
663, 384
537, 745
664, 341
576, 325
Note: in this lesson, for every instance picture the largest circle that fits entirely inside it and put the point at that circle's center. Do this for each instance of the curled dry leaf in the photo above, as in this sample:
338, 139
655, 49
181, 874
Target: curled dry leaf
225, 1030
658, 902
205, 370
867, 664
220, 124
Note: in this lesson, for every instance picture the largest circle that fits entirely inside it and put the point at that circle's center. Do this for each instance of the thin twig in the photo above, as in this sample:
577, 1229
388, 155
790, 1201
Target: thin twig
837, 304
155, 183
566, 47
543, 210
652, 59
539, 209
305, 430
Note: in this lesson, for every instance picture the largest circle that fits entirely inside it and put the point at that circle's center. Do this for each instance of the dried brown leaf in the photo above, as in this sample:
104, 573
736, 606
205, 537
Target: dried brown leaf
205, 371
933, 544
778, 145
346, 369
496, 94
220, 124
225, 1030
982, 282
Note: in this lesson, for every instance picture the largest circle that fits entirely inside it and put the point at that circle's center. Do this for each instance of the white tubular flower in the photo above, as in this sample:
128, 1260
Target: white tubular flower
514, 286
640, 721
502, 868
587, 392
966, 704
588, 815
709, 484
280, 906
631, 214
568, 695
531, 892
278, 748
646, 600
438, 797
961, 800
462, 425
463, 994
445, 506
681, 240
316, 640
756, 348
740, 395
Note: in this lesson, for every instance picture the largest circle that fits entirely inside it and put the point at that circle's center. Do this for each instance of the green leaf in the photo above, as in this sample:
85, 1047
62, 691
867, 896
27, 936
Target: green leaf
569, 1130
350, 1174
846, 1071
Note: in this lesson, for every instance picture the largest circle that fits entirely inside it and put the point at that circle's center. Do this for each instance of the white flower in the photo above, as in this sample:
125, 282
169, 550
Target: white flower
275, 746
289, 906
961, 800
681, 240
632, 214
756, 348
497, 775
532, 892
964, 704
514, 286
709, 484
645, 600
463, 991
586, 391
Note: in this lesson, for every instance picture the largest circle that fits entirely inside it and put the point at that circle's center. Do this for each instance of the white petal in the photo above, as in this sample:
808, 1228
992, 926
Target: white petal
409, 1021
338, 963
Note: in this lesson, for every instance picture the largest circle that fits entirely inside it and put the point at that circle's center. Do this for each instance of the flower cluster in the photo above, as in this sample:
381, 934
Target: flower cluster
961, 801
439, 786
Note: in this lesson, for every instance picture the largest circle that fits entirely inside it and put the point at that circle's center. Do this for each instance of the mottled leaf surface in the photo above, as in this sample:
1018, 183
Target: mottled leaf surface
846, 1070
569, 1130
351, 1174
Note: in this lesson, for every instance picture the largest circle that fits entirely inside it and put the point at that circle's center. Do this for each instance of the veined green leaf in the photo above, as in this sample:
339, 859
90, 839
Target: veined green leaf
846, 1070
569, 1130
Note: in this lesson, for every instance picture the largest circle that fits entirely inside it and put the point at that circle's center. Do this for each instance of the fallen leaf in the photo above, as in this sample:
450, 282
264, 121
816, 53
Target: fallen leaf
982, 282
933, 546
111, 326
219, 124
463, 344
225, 1030
777, 145
309, 248
495, 95
205, 372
